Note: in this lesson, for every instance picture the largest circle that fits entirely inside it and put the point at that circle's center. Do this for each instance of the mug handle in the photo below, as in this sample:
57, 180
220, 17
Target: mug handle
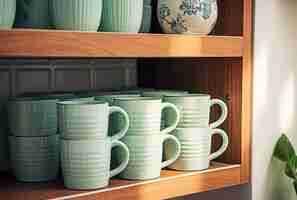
177, 150
176, 120
125, 161
224, 145
121, 133
224, 114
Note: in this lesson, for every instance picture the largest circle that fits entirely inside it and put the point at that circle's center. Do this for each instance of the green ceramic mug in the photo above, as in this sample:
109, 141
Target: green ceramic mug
33, 14
146, 19
122, 15
35, 159
89, 120
78, 15
145, 115
195, 148
161, 94
86, 163
7, 13
146, 155
32, 116
195, 110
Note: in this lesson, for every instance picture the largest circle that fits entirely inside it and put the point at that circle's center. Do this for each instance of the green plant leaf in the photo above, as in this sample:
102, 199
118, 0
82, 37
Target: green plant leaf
291, 167
284, 149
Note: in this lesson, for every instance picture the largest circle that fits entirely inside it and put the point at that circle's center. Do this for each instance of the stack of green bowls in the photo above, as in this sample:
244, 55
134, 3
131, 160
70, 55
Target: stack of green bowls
34, 143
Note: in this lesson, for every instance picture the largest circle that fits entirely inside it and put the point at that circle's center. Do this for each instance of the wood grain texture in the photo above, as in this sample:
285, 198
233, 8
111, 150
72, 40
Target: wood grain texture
247, 81
171, 184
57, 44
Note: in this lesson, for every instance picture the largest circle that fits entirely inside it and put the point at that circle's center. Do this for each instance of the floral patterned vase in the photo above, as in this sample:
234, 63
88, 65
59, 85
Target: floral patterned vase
187, 16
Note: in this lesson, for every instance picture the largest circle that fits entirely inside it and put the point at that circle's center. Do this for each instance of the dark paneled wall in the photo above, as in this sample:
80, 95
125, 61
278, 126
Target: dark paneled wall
23, 75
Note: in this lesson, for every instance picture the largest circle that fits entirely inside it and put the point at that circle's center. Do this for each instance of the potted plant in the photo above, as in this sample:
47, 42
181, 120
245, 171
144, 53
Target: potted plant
285, 152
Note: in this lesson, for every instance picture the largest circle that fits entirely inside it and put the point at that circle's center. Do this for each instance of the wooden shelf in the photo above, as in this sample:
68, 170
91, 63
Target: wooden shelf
171, 184
53, 43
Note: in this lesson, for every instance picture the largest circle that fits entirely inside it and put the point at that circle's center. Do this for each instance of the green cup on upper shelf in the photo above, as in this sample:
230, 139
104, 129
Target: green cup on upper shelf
146, 19
122, 15
36, 116
7, 13
77, 15
33, 14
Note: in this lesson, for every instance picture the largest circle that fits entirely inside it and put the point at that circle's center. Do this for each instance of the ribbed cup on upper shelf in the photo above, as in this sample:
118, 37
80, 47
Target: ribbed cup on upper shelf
7, 13
79, 15
122, 15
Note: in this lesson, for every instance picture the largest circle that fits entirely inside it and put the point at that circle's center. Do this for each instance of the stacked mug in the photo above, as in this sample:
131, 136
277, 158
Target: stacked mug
34, 143
85, 144
194, 130
144, 138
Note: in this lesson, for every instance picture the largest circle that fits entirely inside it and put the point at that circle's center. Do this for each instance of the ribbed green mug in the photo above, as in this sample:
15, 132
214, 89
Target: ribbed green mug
35, 159
146, 155
89, 120
145, 115
78, 15
33, 14
7, 13
33, 116
195, 110
122, 15
86, 163
161, 94
195, 148
146, 19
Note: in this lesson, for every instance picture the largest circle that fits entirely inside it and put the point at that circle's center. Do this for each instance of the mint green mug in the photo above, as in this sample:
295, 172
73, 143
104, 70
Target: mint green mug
7, 13
145, 115
36, 116
195, 110
35, 159
89, 120
86, 163
78, 15
122, 15
146, 155
33, 14
161, 94
195, 148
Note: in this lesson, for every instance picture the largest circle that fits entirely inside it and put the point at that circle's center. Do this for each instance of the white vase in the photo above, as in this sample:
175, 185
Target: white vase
187, 16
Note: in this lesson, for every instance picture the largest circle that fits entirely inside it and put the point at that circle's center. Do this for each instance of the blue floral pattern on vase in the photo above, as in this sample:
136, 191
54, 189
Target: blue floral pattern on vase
179, 16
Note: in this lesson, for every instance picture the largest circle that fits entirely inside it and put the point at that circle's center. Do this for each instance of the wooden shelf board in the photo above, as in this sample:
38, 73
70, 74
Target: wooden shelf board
69, 44
170, 184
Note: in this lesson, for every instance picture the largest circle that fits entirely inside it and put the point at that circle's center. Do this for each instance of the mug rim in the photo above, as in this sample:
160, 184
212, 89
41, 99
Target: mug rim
140, 98
81, 103
188, 95
32, 99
